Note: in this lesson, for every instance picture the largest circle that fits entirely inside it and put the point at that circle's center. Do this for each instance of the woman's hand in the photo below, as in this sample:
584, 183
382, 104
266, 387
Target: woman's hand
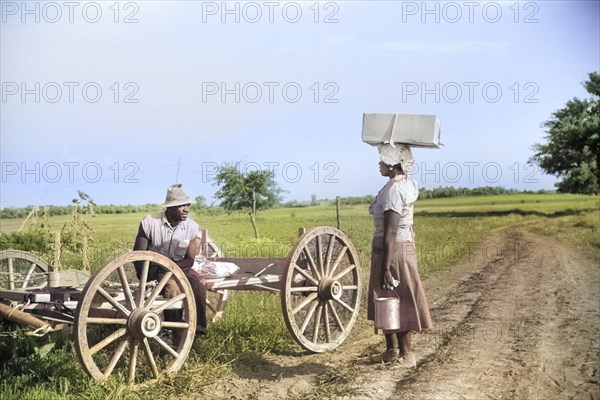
389, 283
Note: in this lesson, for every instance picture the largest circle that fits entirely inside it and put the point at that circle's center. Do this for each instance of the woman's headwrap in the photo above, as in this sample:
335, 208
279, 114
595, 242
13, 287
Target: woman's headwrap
396, 154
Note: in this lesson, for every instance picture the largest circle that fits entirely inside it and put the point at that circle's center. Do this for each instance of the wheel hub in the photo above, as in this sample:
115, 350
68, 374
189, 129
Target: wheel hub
330, 289
143, 323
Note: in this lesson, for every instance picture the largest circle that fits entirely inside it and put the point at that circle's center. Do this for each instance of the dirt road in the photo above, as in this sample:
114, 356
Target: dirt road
519, 318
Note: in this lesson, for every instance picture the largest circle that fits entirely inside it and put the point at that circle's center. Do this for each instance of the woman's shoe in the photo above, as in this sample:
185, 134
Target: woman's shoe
388, 356
407, 361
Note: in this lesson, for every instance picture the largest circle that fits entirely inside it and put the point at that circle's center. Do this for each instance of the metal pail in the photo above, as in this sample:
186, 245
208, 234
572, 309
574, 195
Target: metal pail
387, 313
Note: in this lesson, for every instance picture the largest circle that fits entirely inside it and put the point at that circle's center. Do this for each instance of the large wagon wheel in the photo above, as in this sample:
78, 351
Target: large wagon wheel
216, 300
120, 314
20, 270
321, 296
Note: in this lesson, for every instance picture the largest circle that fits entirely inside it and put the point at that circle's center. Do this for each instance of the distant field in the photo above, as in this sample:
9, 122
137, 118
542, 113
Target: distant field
546, 203
441, 225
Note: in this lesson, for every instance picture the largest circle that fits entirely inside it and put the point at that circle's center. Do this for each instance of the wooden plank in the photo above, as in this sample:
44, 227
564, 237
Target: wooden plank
241, 282
257, 265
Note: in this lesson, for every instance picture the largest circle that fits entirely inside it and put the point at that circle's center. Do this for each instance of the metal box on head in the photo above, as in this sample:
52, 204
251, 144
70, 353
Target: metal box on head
409, 129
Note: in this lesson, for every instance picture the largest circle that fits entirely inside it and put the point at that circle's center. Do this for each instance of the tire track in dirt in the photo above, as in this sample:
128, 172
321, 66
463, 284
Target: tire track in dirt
520, 320
516, 319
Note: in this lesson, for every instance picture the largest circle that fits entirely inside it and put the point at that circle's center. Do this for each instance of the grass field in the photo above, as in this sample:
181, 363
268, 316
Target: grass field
446, 231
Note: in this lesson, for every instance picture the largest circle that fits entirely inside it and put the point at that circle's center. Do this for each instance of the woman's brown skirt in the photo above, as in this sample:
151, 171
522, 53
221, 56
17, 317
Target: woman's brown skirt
414, 312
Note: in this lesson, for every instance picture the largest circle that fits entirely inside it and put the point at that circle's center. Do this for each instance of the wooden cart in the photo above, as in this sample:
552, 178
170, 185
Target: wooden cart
119, 319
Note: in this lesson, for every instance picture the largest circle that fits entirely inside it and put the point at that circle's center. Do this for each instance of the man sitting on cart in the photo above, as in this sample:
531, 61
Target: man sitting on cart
174, 235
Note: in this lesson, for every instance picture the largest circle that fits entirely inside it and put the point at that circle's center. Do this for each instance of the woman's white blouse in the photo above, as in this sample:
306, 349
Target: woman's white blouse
399, 195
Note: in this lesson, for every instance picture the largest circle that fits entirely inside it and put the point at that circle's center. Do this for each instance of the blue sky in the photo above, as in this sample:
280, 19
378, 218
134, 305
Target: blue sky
120, 100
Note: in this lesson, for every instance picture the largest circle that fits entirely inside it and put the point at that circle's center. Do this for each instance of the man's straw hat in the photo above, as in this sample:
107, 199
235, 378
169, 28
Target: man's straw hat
176, 197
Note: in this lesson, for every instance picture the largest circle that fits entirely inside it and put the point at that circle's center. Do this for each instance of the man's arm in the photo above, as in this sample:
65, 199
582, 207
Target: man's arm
141, 243
141, 240
190, 255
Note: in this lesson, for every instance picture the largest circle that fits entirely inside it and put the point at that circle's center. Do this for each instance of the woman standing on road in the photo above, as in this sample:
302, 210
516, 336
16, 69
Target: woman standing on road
394, 270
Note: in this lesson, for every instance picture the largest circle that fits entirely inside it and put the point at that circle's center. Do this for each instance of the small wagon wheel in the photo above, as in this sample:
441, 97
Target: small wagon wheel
119, 313
21, 269
321, 296
216, 300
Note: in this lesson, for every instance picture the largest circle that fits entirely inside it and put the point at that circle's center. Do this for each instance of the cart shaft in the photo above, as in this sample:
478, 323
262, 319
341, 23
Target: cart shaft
23, 318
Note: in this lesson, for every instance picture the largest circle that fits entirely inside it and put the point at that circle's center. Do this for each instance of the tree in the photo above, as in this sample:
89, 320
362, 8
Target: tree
313, 200
254, 190
88, 208
572, 150
200, 201
199, 204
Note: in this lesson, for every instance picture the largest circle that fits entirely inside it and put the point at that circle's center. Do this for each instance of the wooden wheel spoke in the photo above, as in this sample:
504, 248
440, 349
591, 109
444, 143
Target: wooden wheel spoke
344, 272
326, 318
304, 289
114, 303
126, 288
165, 346
175, 325
133, 355
108, 340
28, 275
311, 263
321, 267
107, 321
349, 287
169, 303
308, 317
210, 306
346, 306
336, 318
163, 282
308, 299
306, 275
11, 278
143, 280
215, 303
317, 323
45, 283
115, 358
330, 247
150, 357
338, 259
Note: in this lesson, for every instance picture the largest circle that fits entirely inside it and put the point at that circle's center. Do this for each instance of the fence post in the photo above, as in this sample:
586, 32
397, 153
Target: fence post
253, 221
56, 247
337, 210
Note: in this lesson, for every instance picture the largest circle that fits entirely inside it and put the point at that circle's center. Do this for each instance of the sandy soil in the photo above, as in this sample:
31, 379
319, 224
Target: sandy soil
519, 318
